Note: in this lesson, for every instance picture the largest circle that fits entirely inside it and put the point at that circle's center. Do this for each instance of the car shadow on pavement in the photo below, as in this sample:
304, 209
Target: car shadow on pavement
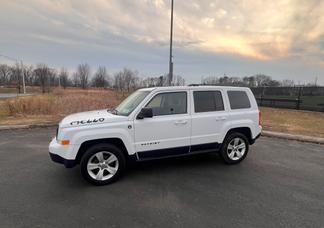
140, 171
172, 164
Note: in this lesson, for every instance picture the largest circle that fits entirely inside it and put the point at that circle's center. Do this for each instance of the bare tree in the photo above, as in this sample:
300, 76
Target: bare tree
28, 74
16, 76
178, 81
101, 78
210, 80
42, 74
4, 74
83, 73
262, 80
53, 78
75, 80
288, 83
126, 80
64, 78
118, 83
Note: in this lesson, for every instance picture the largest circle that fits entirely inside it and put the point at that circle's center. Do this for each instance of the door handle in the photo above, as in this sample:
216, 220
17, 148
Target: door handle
181, 122
221, 118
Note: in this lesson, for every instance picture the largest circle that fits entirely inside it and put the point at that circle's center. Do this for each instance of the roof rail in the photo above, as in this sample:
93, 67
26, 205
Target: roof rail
201, 85
194, 84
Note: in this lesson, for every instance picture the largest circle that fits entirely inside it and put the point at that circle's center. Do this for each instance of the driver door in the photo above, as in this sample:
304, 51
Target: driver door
167, 133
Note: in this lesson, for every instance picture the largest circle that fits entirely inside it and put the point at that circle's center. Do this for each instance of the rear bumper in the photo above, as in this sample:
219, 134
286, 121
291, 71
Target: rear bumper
253, 140
58, 159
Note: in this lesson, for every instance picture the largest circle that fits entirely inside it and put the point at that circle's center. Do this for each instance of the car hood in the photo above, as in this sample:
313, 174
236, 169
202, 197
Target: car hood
90, 118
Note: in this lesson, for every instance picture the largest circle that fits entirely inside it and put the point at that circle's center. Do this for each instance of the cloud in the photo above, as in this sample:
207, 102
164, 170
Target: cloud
257, 30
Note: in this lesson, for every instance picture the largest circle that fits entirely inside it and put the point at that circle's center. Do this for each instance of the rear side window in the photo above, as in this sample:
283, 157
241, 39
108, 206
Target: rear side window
208, 101
168, 103
238, 99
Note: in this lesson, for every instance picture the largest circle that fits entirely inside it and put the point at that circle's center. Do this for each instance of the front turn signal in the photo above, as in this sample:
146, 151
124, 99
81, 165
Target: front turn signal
65, 142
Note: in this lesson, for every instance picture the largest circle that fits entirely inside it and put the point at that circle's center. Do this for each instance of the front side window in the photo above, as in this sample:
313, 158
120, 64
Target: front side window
208, 101
131, 102
238, 99
168, 103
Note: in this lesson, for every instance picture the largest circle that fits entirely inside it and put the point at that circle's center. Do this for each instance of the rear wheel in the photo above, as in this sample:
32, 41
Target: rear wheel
102, 164
235, 148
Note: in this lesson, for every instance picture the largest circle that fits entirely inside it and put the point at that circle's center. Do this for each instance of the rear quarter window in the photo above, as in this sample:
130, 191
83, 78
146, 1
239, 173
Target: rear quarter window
238, 99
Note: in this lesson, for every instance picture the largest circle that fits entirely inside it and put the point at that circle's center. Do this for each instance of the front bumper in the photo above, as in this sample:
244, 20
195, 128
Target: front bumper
58, 159
62, 154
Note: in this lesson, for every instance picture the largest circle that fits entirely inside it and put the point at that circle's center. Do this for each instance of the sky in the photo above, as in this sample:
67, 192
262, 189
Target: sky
280, 38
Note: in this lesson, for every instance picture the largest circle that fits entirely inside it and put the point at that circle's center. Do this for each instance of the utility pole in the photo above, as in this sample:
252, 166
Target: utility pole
59, 78
170, 57
23, 77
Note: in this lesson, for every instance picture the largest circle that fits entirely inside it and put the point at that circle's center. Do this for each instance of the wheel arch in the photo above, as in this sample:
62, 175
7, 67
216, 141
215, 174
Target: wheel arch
113, 141
243, 130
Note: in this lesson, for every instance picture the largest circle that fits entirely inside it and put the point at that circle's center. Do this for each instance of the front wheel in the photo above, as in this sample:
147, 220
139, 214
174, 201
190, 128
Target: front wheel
235, 148
102, 164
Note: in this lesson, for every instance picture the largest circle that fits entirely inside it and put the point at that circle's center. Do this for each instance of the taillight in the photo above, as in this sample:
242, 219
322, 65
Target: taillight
260, 121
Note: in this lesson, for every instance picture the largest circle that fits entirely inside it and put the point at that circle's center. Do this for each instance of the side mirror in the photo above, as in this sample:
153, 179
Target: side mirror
145, 113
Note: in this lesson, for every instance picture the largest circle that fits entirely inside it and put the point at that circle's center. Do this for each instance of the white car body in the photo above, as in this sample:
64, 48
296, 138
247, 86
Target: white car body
160, 136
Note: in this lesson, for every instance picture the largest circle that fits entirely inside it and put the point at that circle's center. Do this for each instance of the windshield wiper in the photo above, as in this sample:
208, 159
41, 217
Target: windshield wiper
113, 111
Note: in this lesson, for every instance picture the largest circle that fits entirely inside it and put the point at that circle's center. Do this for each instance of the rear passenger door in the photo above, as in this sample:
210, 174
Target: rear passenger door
208, 119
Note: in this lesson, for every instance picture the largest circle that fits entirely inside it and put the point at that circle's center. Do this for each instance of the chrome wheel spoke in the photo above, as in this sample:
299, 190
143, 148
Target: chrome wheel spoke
241, 146
111, 159
231, 154
236, 141
99, 156
100, 174
92, 166
111, 170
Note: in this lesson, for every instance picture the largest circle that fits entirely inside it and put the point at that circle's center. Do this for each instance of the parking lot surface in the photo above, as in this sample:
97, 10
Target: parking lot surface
12, 95
280, 184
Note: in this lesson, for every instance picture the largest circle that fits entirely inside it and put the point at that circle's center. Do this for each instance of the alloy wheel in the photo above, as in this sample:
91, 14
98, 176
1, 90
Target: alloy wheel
102, 165
236, 149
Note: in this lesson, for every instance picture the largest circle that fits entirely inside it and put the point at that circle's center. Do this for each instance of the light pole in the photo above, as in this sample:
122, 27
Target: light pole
171, 39
23, 76
22, 71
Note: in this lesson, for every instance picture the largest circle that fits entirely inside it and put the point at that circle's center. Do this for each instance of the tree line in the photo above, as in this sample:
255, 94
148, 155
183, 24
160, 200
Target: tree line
258, 80
45, 77
124, 80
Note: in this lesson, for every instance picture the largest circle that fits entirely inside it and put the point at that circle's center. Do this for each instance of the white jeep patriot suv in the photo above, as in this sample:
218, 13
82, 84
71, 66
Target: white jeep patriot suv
158, 123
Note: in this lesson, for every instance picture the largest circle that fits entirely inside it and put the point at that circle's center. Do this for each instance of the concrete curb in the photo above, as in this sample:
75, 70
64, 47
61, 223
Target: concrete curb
26, 126
301, 138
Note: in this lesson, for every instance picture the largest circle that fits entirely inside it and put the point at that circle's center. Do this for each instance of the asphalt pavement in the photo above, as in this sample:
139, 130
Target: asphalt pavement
279, 184
13, 95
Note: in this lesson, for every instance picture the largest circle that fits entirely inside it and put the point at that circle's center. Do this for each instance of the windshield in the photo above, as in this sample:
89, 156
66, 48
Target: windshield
131, 102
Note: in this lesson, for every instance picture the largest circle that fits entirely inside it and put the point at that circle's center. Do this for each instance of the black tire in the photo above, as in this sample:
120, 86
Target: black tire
224, 150
94, 150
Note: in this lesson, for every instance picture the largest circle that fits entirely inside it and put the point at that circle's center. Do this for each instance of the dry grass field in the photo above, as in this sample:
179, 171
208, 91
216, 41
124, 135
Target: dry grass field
54, 106
293, 121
